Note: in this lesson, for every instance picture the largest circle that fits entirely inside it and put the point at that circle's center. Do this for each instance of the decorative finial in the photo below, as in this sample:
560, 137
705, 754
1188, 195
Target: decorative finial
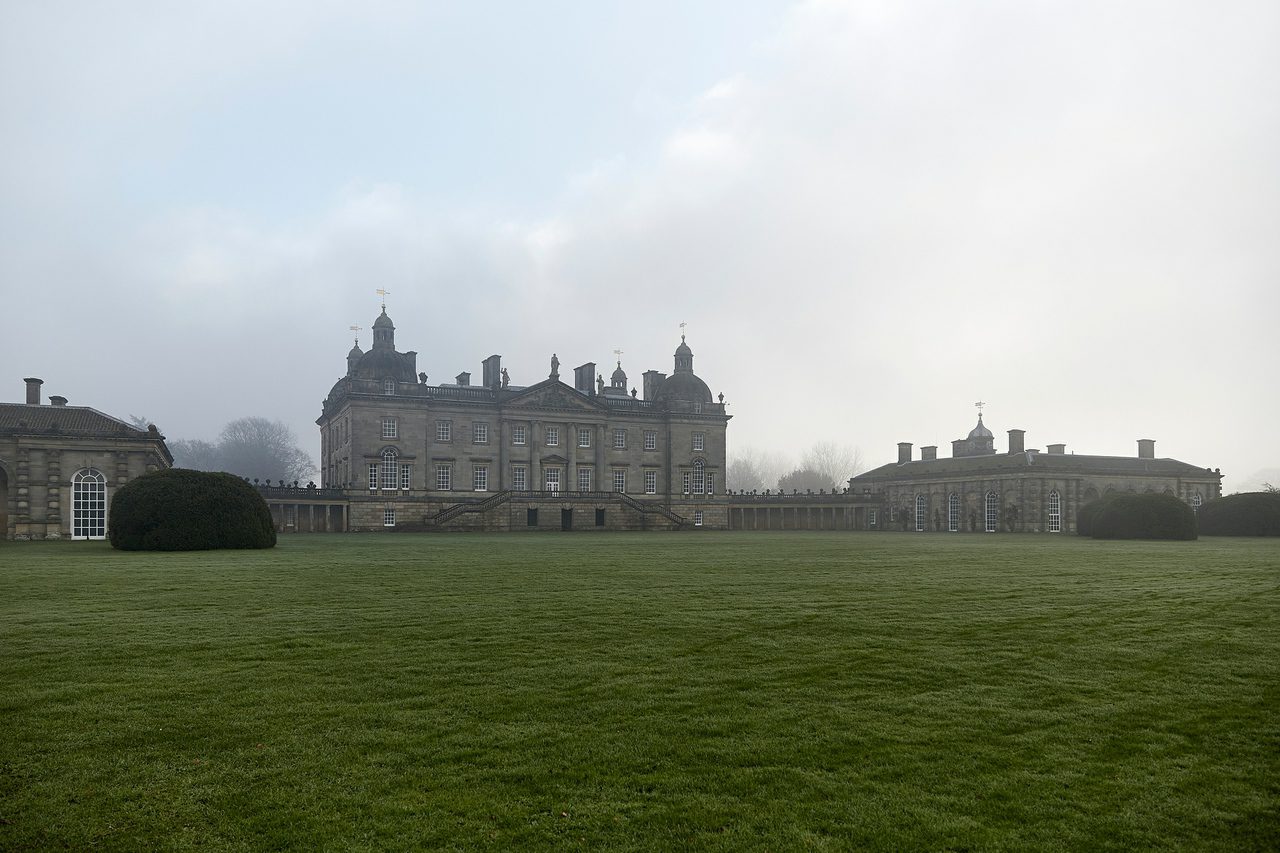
384, 294
618, 353
979, 404
682, 325
356, 329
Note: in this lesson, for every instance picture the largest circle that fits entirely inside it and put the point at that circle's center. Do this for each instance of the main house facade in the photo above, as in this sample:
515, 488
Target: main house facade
979, 489
60, 465
413, 455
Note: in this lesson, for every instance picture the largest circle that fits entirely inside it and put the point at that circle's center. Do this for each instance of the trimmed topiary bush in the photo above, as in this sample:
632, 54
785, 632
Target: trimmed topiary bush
1131, 516
182, 510
1245, 514
1088, 512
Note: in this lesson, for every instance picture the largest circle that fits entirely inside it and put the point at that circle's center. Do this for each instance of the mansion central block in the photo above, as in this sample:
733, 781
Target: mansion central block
492, 455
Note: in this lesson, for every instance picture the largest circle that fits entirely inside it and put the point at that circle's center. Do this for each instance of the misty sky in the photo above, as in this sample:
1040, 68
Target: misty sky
871, 215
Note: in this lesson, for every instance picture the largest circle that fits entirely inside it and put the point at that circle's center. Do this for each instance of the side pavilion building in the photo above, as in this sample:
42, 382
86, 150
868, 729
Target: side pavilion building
1019, 490
60, 466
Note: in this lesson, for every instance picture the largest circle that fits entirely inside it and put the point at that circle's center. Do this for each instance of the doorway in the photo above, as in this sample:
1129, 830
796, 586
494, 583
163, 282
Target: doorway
566, 519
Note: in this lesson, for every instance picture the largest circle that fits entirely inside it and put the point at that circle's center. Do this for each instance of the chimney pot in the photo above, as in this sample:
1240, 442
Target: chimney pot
55, 400
928, 453
33, 390
1146, 448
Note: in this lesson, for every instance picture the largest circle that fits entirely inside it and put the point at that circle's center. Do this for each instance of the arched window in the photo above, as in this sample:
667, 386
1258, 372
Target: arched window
1055, 512
922, 512
1195, 503
389, 387
88, 504
390, 470
953, 512
993, 512
699, 480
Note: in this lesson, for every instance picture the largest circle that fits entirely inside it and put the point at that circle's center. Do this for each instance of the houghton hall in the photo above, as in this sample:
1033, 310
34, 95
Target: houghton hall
401, 454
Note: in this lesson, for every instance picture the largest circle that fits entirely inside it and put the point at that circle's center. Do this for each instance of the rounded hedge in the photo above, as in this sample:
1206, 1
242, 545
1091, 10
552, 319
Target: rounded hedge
1244, 514
1088, 512
1133, 516
181, 510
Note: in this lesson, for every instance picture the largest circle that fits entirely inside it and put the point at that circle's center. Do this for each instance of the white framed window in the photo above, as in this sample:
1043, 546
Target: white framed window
518, 435
619, 479
619, 439
584, 437
480, 478
699, 479
520, 478
1055, 512
922, 513
390, 474
651, 439
697, 518
388, 427
88, 504
552, 479
553, 436
389, 517
373, 476
953, 513
699, 441
444, 477
992, 512
389, 387
686, 480
1195, 503
444, 430
584, 479
711, 483
697, 408
650, 482
479, 433
406, 477
871, 517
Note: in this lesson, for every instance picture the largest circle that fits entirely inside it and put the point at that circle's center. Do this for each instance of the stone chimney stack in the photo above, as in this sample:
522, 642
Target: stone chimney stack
464, 378
929, 453
1016, 439
55, 400
904, 452
1146, 448
33, 390
492, 371
584, 378
652, 379
1058, 449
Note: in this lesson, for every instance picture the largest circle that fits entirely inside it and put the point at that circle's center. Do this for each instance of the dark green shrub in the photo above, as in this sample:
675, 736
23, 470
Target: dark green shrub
181, 510
1245, 514
1088, 512
1131, 516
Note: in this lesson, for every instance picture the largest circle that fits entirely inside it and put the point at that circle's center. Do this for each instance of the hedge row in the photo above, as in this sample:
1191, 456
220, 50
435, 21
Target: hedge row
1123, 515
182, 510
1244, 514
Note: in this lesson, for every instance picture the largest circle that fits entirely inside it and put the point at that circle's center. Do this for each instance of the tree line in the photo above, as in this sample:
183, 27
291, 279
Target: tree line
826, 466
247, 447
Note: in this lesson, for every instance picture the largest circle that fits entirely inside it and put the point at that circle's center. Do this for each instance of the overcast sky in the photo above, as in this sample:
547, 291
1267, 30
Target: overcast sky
869, 214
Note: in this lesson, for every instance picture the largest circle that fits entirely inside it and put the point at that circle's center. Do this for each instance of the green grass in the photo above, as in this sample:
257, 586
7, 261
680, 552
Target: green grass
660, 691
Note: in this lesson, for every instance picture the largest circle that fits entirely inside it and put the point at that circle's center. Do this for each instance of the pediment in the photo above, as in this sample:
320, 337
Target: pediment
554, 459
553, 394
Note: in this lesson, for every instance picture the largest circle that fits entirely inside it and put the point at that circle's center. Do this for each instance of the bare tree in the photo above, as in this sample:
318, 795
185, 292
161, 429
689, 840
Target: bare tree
196, 454
836, 463
142, 422
257, 447
750, 469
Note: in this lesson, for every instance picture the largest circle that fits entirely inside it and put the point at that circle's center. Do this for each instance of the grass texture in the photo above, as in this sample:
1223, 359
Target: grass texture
717, 691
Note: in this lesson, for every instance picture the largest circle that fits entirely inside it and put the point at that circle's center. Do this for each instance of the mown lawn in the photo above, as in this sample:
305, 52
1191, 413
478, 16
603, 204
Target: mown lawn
656, 691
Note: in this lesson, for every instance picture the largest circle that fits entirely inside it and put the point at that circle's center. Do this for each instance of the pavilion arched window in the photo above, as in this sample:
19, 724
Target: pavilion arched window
922, 513
1055, 512
390, 469
88, 504
992, 512
953, 512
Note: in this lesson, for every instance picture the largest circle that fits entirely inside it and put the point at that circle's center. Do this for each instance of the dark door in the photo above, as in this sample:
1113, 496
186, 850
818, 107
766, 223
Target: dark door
566, 519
